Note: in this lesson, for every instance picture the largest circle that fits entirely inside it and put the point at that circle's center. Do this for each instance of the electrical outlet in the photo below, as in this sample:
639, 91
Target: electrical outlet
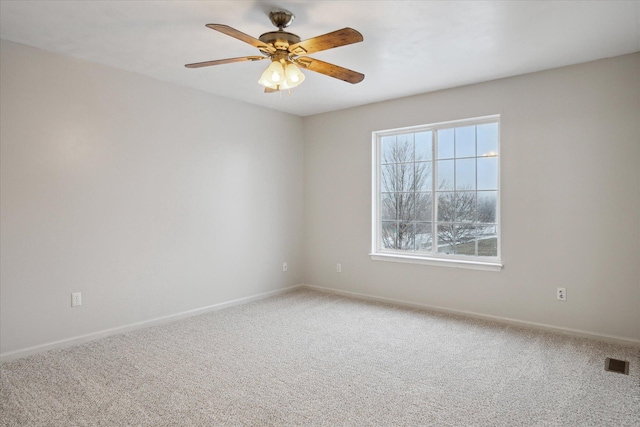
561, 294
76, 299
338, 268
284, 266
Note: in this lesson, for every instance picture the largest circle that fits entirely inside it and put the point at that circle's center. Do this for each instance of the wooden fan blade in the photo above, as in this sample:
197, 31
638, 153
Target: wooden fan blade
225, 61
225, 29
269, 90
330, 70
337, 38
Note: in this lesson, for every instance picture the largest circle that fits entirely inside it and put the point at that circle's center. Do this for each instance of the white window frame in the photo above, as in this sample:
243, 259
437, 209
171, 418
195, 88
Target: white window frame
434, 258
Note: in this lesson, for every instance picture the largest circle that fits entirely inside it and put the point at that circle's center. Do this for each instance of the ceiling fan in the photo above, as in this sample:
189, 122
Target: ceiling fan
287, 53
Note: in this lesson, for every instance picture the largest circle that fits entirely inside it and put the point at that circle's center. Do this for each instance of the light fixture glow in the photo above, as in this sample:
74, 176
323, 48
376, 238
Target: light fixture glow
281, 75
293, 75
273, 75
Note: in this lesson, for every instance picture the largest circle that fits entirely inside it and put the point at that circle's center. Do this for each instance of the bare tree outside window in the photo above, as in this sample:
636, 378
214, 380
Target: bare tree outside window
464, 220
406, 196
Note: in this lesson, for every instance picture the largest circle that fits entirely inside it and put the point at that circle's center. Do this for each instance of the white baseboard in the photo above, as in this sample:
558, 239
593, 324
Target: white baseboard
68, 342
515, 322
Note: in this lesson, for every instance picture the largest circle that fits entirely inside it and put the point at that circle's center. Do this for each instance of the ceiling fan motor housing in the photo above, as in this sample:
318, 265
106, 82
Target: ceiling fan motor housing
281, 40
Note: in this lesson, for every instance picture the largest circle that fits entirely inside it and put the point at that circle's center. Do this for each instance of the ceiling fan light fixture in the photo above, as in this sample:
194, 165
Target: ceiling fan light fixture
273, 75
292, 74
281, 75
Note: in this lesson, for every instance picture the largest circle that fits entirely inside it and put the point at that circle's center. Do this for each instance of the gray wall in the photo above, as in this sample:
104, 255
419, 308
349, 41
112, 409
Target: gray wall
149, 198
570, 158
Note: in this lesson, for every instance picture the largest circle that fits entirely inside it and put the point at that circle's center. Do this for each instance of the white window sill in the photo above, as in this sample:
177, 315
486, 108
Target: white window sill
441, 262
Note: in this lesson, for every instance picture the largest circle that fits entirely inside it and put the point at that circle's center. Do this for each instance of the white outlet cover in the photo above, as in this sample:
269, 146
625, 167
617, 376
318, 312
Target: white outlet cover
76, 299
561, 294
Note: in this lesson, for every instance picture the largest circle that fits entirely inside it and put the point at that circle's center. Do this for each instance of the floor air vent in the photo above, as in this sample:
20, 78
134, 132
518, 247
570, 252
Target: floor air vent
615, 365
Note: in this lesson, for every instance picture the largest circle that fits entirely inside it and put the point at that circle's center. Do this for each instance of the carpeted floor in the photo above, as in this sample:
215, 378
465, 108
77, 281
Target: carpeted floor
309, 358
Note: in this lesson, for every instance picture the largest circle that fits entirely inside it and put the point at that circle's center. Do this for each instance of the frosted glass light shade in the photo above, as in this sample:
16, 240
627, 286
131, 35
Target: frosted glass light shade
273, 76
292, 75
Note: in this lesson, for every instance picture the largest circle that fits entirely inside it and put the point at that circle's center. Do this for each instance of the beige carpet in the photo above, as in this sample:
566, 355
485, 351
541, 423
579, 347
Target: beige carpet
308, 358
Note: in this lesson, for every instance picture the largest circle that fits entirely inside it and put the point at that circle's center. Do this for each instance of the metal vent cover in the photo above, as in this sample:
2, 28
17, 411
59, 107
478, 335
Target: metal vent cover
616, 365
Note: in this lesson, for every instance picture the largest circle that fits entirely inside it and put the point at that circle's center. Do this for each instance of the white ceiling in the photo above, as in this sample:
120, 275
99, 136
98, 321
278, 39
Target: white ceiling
409, 47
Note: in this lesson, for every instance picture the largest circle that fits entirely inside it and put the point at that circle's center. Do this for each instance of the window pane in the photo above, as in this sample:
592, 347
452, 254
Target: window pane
465, 210
488, 139
388, 178
466, 141
388, 148
487, 206
445, 175
424, 206
405, 147
406, 236
388, 207
468, 249
404, 177
423, 145
388, 238
466, 174
487, 173
405, 203
424, 237
423, 176
446, 238
445, 144
446, 206
456, 239
488, 240
465, 243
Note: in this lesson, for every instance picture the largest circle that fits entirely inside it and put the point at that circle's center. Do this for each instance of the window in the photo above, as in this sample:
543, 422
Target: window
436, 194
